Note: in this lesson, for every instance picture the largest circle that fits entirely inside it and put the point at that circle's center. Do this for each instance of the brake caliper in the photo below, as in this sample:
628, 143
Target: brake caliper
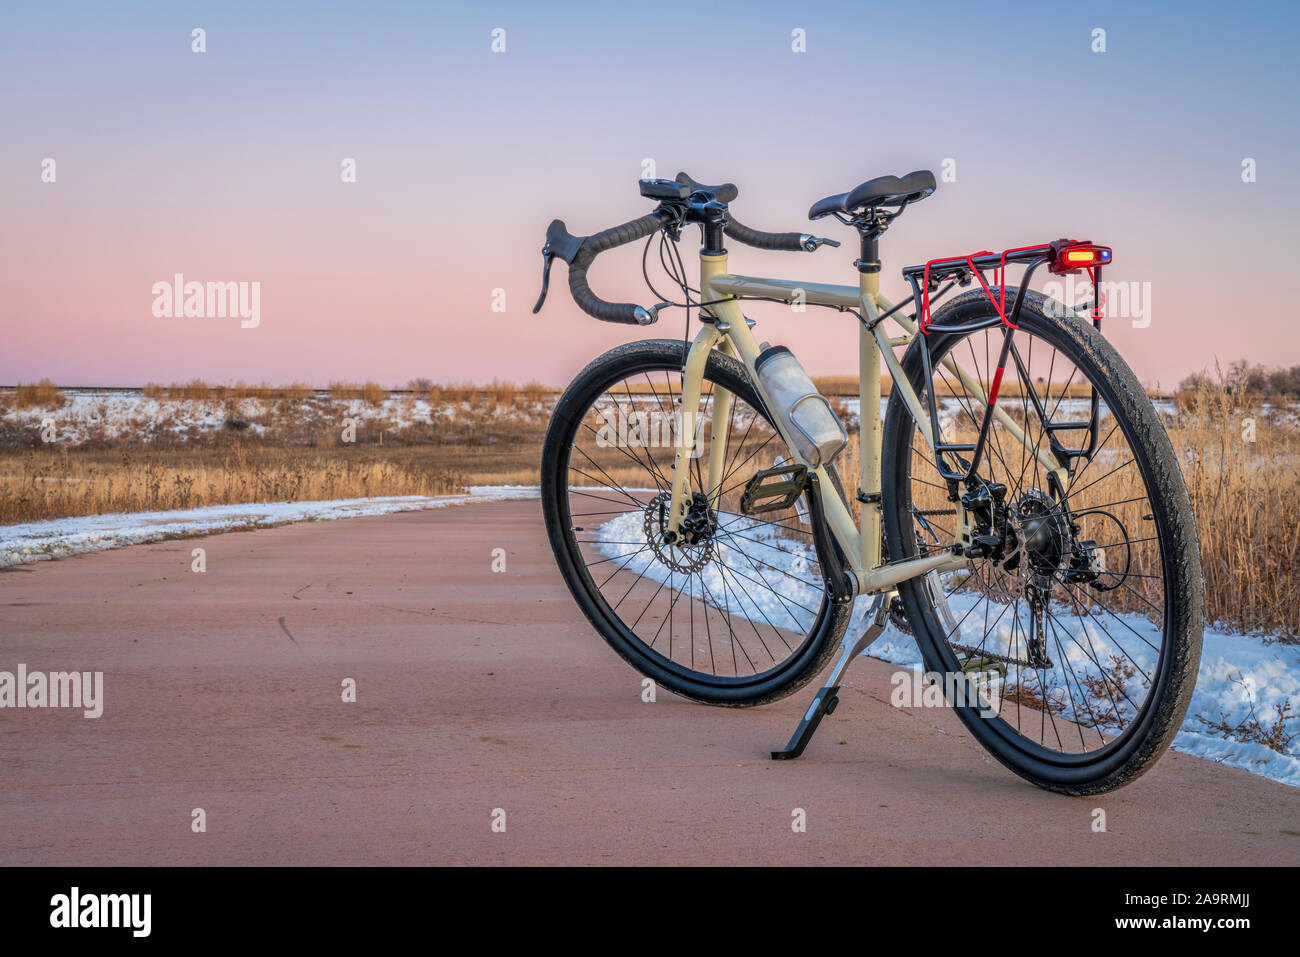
1087, 563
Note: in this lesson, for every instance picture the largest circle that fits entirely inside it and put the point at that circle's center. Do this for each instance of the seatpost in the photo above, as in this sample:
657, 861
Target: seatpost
870, 225
870, 433
869, 260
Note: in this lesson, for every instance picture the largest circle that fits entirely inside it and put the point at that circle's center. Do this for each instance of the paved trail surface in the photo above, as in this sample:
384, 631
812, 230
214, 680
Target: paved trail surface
478, 691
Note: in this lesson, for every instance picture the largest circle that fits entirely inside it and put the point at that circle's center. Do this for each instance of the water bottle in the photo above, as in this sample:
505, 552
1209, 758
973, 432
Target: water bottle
817, 434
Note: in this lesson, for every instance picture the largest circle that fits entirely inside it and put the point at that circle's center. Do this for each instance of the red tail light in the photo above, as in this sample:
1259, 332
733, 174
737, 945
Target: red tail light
1071, 256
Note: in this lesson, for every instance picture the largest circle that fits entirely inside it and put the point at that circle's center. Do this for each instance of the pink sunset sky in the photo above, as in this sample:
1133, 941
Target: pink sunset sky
225, 166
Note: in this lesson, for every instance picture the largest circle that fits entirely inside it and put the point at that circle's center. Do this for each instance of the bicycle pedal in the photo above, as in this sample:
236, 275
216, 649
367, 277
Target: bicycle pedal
977, 665
774, 489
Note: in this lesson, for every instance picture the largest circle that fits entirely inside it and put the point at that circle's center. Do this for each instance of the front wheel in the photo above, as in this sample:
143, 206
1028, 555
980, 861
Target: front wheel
736, 612
1075, 632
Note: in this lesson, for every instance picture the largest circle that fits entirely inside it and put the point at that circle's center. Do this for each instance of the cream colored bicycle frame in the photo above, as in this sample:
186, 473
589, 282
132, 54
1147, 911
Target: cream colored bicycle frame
729, 332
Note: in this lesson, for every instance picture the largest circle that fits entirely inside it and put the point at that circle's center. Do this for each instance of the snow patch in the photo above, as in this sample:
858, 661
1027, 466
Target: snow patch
61, 537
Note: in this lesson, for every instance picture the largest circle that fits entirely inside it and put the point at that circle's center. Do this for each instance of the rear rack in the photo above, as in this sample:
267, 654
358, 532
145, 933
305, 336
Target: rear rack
926, 278
962, 268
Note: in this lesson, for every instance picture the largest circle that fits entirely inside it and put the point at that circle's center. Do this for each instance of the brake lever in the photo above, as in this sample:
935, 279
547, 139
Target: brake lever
811, 243
547, 258
651, 315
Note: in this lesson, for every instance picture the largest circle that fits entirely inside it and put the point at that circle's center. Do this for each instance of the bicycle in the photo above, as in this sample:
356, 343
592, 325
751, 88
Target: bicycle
1033, 533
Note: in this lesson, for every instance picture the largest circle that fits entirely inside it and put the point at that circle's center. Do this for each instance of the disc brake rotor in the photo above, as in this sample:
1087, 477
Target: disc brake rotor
695, 549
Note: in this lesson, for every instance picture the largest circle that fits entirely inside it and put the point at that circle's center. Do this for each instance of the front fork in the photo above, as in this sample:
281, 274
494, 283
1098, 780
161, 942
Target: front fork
721, 421
724, 326
692, 382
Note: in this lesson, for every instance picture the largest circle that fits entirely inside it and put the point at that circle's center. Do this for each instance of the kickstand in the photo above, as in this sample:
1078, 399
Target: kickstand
826, 700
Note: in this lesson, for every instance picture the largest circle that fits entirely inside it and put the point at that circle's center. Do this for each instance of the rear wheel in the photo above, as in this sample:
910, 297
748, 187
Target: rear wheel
735, 613
1080, 624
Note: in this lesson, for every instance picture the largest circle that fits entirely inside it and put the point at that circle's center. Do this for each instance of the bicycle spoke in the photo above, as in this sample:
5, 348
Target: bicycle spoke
1092, 633
740, 600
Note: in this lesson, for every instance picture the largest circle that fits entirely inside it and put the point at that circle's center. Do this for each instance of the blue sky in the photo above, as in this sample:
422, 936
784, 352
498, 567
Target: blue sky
225, 165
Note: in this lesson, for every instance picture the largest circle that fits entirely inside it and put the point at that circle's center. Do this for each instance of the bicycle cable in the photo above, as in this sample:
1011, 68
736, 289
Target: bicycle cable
677, 273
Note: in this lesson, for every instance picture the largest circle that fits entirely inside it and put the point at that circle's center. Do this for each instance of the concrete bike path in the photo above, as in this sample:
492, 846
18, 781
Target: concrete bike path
478, 691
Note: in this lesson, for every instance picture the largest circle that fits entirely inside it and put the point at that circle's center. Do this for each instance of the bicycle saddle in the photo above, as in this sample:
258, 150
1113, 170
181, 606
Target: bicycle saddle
881, 191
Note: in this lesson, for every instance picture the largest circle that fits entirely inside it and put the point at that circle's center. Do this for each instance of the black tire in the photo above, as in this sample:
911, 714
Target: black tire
785, 676
1129, 751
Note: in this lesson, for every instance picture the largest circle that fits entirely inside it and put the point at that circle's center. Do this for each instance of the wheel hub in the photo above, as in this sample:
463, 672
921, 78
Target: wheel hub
1044, 533
692, 549
1028, 541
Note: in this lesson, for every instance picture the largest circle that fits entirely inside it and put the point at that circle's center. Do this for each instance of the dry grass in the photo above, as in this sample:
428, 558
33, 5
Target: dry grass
1275, 734
499, 393
298, 455
459, 392
502, 393
372, 392
1245, 494
847, 387
42, 395
45, 484
198, 390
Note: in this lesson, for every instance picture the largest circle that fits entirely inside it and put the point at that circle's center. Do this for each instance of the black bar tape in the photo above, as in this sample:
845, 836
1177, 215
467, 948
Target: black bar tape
592, 247
597, 243
592, 304
785, 242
